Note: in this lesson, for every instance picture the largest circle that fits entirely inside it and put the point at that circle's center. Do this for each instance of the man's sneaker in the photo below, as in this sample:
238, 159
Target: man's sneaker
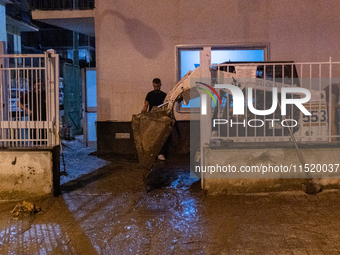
161, 157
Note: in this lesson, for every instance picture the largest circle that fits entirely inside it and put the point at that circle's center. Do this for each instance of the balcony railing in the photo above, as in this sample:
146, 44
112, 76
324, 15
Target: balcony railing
61, 4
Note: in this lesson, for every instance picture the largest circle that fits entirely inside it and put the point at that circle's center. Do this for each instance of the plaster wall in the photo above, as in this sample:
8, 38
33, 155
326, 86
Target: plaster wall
218, 182
25, 174
135, 41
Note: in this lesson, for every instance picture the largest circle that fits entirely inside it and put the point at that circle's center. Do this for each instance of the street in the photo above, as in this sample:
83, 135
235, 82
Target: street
115, 210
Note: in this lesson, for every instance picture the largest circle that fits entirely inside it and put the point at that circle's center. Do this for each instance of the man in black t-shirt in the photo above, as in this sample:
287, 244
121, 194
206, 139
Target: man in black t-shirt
33, 104
155, 97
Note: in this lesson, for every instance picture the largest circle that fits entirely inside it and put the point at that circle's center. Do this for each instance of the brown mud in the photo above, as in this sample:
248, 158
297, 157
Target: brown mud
117, 210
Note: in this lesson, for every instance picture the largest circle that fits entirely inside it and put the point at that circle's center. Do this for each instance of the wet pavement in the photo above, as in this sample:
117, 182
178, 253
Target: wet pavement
78, 159
114, 209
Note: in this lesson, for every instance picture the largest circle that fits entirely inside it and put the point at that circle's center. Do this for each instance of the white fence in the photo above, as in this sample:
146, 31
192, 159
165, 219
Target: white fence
321, 79
29, 100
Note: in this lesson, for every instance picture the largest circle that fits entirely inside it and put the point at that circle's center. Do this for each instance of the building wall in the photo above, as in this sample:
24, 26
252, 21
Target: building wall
16, 33
3, 35
135, 42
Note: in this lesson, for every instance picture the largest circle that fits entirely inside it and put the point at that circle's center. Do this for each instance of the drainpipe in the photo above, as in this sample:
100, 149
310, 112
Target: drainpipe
75, 48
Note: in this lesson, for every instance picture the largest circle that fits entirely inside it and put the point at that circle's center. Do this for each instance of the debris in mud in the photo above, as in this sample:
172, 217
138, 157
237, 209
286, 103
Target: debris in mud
25, 207
94, 153
66, 132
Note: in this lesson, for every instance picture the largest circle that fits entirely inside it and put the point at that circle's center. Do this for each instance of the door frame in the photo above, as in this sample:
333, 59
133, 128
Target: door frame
85, 108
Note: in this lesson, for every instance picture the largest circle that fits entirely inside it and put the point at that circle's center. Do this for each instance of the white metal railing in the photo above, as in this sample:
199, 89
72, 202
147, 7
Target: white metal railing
29, 100
320, 78
61, 4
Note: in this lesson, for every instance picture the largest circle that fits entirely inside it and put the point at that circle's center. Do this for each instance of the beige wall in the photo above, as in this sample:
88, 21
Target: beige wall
25, 174
281, 179
135, 40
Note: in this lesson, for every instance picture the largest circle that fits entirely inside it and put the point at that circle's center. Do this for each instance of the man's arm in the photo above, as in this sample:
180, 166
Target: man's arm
145, 108
23, 107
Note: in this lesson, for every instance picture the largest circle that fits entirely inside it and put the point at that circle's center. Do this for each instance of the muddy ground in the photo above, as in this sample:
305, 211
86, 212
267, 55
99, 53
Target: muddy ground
116, 210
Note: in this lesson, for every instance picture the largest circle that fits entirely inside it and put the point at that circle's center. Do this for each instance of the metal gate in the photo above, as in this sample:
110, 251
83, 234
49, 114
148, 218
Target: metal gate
29, 100
72, 98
